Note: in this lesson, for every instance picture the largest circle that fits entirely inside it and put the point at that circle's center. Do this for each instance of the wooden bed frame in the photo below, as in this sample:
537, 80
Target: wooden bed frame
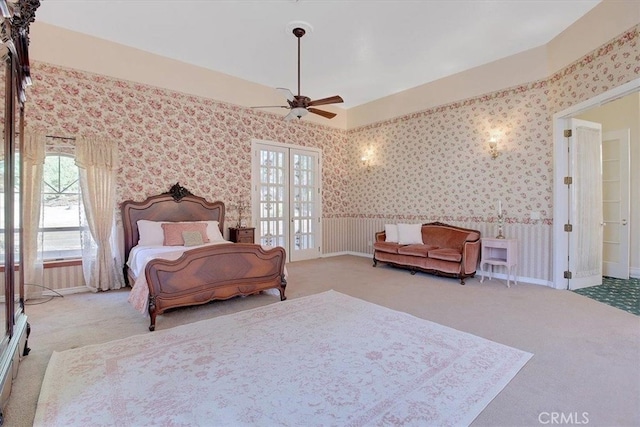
205, 273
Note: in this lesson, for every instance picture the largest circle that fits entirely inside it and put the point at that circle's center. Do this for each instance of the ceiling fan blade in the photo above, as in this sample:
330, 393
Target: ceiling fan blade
286, 93
322, 113
271, 106
324, 101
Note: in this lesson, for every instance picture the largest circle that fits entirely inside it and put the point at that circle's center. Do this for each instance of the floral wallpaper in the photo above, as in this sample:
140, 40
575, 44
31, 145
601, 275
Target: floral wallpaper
435, 164
166, 137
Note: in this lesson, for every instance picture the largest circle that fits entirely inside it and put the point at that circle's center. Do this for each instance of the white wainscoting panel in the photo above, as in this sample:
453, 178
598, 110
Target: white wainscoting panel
356, 235
63, 278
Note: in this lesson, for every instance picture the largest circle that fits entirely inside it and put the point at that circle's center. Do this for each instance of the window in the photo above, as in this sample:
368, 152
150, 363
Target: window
60, 221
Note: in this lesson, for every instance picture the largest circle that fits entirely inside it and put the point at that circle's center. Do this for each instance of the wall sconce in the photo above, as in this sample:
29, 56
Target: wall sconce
366, 162
493, 148
367, 158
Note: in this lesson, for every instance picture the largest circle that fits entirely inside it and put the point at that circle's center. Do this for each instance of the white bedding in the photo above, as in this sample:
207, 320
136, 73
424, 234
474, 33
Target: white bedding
141, 255
138, 259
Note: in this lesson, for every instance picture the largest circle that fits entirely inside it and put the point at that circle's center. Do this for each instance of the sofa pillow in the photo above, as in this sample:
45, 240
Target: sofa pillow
192, 238
150, 233
409, 234
173, 232
391, 233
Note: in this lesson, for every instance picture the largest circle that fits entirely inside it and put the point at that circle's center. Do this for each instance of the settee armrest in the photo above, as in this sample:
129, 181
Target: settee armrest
381, 236
470, 256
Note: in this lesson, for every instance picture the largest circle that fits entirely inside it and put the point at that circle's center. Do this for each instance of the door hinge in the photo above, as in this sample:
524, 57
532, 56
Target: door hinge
568, 228
567, 275
568, 180
567, 133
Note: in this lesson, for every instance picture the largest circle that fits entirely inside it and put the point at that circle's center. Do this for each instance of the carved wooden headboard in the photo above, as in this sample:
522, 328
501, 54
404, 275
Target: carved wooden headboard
178, 204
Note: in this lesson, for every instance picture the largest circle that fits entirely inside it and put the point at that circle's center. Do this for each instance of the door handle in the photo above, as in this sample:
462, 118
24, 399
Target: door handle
624, 222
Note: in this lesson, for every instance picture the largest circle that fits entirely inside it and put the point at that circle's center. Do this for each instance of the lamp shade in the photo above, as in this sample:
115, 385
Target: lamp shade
299, 112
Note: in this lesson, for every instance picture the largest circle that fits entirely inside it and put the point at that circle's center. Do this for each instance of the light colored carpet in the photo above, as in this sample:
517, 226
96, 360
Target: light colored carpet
325, 359
586, 352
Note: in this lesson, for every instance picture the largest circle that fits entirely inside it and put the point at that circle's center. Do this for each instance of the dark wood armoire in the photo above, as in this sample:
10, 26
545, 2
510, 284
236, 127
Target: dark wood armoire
15, 17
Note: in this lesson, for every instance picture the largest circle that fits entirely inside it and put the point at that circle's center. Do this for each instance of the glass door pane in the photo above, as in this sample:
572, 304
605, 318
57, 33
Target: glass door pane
305, 220
272, 197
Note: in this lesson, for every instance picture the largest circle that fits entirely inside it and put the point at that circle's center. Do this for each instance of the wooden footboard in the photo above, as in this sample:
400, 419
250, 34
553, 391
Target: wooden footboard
211, 273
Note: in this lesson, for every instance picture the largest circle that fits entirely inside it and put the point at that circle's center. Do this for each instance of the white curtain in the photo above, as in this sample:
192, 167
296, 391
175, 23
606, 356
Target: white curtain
97, 163
33, 155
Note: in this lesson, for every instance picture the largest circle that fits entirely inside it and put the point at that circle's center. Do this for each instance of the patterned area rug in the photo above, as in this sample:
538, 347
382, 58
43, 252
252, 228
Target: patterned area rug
326, 359
619, 293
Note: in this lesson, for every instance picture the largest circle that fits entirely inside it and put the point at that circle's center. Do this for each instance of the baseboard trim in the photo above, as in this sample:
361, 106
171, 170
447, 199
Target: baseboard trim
529, 280
65, 291
360, 254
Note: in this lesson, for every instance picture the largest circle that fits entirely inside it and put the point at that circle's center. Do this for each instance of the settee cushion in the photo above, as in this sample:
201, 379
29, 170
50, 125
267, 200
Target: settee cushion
410, 234
388, 247
446, 254
416, 250
391, 233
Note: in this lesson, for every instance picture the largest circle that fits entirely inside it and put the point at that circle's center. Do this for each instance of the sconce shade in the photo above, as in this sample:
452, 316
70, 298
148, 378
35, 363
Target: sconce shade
493, 148
367, 158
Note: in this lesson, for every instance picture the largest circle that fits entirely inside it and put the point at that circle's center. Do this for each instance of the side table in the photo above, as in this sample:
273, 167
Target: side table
242, 235
500, 252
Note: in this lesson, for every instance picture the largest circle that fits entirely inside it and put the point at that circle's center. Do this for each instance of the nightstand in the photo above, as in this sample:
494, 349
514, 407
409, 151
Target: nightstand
242, 235
500, 252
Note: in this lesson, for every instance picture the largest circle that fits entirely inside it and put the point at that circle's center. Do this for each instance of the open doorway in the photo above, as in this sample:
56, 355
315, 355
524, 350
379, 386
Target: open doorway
561, 241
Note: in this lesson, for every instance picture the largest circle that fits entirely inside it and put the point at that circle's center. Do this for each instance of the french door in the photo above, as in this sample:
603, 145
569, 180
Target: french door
286, 198
585, 204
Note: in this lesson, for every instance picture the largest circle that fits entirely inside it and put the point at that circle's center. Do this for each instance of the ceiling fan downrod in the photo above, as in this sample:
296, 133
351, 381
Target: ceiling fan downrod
299, 32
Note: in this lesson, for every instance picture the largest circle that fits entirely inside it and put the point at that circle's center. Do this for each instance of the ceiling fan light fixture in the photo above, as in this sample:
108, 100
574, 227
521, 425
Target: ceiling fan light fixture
299, 112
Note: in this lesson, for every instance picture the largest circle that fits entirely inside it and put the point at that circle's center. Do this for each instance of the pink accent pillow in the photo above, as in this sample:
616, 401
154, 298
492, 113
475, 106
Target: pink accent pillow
173, 232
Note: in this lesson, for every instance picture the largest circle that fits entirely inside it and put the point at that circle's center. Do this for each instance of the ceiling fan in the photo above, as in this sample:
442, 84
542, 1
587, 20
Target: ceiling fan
300, 105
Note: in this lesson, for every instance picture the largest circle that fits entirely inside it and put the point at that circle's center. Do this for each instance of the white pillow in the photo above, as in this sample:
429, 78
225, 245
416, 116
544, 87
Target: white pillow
213, 231
150, 233
409, 234
391, 233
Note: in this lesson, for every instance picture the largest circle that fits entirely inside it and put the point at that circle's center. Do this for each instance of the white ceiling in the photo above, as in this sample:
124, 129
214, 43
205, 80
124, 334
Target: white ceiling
361, 50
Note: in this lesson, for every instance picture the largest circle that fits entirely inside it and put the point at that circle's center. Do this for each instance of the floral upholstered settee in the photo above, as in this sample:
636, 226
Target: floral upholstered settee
435, 248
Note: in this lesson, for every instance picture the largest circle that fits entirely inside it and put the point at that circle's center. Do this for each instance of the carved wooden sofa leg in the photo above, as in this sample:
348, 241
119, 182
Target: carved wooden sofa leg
375, 262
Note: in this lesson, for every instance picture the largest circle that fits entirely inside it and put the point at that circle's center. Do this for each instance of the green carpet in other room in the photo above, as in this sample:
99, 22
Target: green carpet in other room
619, 293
